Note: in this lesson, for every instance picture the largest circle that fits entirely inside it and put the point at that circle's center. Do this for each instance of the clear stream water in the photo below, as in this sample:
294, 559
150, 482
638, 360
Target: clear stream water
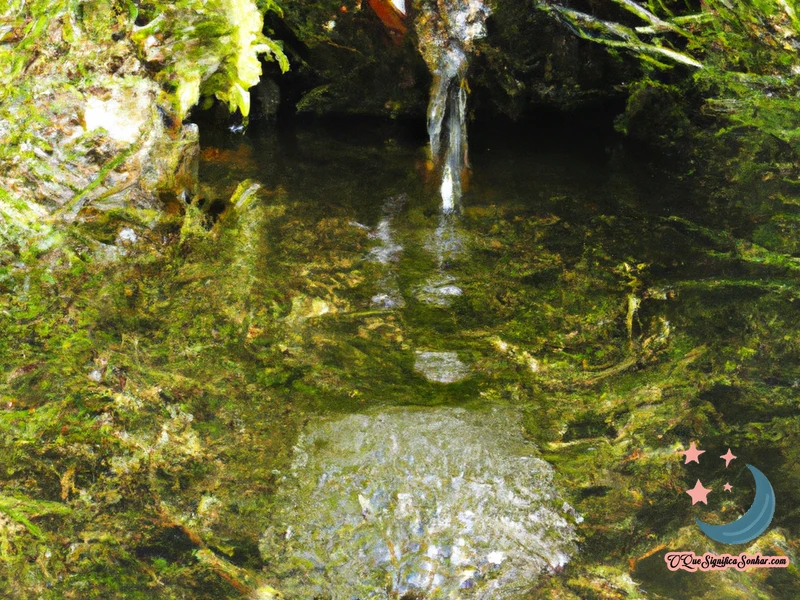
571, 268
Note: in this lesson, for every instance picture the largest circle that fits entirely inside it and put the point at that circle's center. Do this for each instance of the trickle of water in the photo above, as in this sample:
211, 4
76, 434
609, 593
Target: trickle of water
447, 30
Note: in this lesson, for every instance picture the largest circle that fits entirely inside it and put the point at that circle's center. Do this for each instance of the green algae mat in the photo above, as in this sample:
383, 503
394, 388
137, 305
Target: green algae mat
313, 384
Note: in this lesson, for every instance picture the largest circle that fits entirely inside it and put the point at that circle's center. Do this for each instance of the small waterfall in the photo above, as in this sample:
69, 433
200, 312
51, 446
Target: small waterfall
447, 30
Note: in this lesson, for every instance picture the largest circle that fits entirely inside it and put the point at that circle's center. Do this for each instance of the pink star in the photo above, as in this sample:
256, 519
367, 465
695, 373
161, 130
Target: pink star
727, 487
728, 456
698, 493
692, 454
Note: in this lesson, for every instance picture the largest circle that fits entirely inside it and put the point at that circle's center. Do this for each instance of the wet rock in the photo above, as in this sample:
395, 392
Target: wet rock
442, 503
94, 99
656, 115
122, 115
127, 235
108, 147
266, 96
348, 60
530, 60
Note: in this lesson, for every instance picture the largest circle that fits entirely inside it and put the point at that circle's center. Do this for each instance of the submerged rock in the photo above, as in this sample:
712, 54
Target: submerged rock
439, 290
389, 298
443, 503
442, 367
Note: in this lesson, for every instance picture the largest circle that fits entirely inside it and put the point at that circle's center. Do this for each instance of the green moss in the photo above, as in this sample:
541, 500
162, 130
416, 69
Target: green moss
106, 455
67, 65
206, 48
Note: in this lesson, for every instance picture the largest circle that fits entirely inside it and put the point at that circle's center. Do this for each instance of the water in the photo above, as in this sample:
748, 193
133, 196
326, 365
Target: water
306, 373
385, 252
491, 336
440, 502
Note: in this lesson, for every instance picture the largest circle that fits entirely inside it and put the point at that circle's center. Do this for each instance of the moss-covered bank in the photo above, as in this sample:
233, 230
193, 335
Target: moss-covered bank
94, 95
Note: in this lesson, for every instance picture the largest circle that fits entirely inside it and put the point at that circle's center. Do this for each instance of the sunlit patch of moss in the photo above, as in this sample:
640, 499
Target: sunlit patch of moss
206, 48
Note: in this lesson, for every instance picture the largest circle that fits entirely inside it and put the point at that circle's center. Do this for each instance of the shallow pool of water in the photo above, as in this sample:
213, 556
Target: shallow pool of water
590, 294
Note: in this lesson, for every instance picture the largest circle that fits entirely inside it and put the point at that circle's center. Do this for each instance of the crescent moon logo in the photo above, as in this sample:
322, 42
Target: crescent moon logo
752, 523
